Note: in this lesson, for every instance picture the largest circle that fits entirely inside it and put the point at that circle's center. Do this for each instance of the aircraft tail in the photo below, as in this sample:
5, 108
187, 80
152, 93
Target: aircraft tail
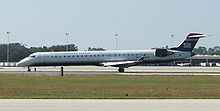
190, 42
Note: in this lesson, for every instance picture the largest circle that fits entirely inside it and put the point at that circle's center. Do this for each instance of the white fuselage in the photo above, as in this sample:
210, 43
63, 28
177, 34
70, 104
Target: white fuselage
96, 57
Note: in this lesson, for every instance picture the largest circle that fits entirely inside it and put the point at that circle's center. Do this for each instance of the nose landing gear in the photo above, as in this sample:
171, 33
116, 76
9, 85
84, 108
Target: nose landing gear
121, 69
29, 69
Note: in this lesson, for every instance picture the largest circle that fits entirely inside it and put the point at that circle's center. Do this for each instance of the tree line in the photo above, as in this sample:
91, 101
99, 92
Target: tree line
207, 51
19, 51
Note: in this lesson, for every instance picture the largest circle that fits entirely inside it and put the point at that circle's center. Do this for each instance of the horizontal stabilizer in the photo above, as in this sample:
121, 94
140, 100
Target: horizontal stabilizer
195, 36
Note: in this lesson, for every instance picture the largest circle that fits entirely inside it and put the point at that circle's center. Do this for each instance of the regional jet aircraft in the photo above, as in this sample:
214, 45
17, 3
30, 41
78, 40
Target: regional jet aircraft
120, 58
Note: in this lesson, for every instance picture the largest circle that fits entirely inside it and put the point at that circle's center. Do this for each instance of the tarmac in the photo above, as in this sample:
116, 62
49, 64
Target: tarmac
136, 70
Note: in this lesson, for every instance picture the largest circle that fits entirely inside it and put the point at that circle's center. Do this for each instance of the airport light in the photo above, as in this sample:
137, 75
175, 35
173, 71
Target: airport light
8, 34
67, 36
116, 41
172, 36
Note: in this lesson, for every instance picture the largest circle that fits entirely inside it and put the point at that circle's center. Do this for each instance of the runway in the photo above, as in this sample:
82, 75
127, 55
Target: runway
109, 105
137, 70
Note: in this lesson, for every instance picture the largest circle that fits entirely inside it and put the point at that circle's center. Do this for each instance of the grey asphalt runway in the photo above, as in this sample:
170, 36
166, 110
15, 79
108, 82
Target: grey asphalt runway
137, 70
109, 105
104, 73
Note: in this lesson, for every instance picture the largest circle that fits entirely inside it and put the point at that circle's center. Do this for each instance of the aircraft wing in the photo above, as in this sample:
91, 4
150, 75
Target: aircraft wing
117, 64
123, 63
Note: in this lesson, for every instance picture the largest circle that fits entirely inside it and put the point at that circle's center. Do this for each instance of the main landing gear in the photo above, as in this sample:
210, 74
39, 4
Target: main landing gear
121, 69
29, 69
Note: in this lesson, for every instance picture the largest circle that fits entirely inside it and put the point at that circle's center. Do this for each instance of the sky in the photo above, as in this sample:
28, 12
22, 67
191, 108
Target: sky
140, 24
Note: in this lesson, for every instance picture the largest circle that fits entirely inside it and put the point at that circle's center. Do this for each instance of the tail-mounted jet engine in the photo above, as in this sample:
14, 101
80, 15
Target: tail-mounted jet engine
163, 53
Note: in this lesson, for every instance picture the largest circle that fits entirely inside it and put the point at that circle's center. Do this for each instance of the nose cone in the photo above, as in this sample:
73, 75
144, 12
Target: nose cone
22, 63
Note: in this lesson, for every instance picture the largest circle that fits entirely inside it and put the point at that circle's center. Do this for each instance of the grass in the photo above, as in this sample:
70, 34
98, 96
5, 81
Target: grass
109, 86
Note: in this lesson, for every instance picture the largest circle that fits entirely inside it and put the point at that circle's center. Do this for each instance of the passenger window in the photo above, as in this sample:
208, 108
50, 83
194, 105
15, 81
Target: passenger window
81, 55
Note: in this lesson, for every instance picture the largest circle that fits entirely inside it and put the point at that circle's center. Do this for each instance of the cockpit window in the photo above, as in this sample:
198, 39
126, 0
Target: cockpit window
33, 56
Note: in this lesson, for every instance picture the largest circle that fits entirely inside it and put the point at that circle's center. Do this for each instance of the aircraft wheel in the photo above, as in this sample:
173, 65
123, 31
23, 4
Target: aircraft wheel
29, 69
121, 69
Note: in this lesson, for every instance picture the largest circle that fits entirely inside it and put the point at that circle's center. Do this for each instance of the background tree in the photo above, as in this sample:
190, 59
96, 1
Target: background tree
211, 51
95, 49
19, 51
200, 50
3, 52
216, 50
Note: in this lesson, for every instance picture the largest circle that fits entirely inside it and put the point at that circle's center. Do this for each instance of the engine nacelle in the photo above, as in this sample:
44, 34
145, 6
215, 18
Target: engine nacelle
163, 52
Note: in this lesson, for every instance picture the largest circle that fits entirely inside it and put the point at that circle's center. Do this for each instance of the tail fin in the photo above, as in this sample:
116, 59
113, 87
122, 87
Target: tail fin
189, 43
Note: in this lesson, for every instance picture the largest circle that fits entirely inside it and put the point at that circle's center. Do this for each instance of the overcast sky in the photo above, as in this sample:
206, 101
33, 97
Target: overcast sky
141, 24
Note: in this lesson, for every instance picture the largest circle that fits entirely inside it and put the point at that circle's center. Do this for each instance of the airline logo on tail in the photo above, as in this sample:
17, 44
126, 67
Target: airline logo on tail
187, 45
192, 37
190, 42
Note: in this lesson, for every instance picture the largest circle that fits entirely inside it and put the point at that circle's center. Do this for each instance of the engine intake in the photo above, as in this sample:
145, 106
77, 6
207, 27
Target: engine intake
163, 52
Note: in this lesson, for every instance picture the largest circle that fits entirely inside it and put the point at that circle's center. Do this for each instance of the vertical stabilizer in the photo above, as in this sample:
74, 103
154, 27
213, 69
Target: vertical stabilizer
189, 43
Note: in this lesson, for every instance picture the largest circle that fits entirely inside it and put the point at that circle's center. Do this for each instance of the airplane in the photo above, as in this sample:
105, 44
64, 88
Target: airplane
118, 58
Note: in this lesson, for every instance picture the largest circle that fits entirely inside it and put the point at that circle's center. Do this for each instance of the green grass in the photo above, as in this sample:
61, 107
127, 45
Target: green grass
108, 86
